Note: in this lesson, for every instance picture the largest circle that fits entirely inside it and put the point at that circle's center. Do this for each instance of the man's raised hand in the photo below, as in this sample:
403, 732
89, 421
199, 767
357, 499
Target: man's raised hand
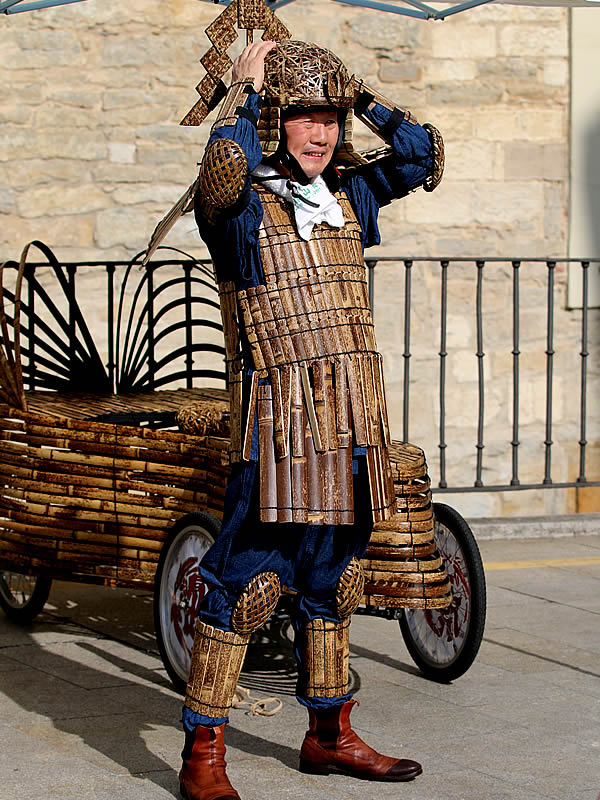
251, 63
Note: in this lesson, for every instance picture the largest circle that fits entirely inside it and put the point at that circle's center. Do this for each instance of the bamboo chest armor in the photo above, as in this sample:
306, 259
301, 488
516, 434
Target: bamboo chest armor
310, 333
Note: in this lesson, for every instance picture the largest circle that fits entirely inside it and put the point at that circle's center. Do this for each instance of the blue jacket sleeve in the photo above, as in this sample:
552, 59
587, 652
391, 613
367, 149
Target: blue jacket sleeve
374, 185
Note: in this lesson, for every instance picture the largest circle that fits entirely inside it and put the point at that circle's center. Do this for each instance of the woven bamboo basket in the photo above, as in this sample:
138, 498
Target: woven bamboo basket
402, 566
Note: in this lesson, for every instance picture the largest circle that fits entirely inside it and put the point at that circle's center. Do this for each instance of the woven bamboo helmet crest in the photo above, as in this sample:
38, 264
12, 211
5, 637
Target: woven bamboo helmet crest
306, 74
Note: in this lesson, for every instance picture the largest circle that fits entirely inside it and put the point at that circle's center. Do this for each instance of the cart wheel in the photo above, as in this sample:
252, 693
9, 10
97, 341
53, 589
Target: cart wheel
178, 590
22, 597
444, 643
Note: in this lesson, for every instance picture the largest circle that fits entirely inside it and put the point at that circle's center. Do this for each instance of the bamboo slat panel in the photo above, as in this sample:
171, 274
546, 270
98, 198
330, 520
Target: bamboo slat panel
94, 501
86, 406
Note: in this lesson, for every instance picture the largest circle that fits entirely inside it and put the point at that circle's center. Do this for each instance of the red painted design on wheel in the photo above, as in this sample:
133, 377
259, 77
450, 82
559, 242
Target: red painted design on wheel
447, 622
191, 588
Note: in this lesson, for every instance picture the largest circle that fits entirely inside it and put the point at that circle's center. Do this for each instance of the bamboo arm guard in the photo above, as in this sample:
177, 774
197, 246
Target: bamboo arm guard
233, 105
365, 98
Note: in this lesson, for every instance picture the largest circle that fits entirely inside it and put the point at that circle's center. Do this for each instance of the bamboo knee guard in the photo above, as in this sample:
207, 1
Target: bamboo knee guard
218, 656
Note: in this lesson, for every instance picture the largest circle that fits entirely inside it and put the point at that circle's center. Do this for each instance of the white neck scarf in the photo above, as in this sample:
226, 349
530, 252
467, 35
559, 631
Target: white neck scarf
312, 203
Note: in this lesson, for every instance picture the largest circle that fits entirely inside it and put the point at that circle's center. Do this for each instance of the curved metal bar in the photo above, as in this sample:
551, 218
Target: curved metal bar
165, 380
136, 361
138, 341
138, 357
128, 270
140, 336
75, 350
57, 317
182, 324
36, 341
181, 302
76, 321
13, 7
421, 10
201, 347
207, 373
53, 367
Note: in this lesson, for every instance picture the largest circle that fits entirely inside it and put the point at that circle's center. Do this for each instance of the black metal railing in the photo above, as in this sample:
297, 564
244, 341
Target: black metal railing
162, 327
161, 331
157, 324
572, 318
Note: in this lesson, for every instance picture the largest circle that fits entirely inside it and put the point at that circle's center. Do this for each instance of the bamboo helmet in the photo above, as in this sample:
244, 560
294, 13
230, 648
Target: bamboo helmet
300, 75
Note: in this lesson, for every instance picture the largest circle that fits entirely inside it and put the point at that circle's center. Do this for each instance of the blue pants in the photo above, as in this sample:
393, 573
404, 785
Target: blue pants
308, 559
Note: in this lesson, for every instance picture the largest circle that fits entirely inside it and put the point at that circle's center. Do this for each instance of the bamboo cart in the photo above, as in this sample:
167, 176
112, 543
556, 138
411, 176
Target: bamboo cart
116, 475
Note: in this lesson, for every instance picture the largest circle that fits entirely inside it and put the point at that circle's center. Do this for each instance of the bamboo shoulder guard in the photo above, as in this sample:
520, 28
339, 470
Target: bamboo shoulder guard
439, 160
224, 167
222, 178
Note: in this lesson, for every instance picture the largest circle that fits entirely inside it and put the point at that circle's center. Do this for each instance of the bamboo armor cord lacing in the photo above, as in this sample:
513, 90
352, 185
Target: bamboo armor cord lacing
254, 705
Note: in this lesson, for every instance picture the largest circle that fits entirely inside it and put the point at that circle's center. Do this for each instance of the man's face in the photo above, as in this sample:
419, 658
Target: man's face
311, 139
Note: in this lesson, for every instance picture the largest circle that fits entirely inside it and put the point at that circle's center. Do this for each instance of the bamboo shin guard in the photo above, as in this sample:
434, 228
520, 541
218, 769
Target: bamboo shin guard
217, 658
326, 655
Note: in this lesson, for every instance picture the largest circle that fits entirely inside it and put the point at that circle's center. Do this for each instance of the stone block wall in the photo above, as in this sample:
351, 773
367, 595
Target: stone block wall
92, 156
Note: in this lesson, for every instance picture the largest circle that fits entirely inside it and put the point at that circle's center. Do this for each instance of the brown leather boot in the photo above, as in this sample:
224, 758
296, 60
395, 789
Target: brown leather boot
330, 745
203, 775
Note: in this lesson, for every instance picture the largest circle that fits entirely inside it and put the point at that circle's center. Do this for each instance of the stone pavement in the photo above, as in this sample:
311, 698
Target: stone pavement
86, 710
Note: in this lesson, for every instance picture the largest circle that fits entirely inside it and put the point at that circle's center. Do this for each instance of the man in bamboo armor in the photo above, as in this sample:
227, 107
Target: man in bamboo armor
311, 475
